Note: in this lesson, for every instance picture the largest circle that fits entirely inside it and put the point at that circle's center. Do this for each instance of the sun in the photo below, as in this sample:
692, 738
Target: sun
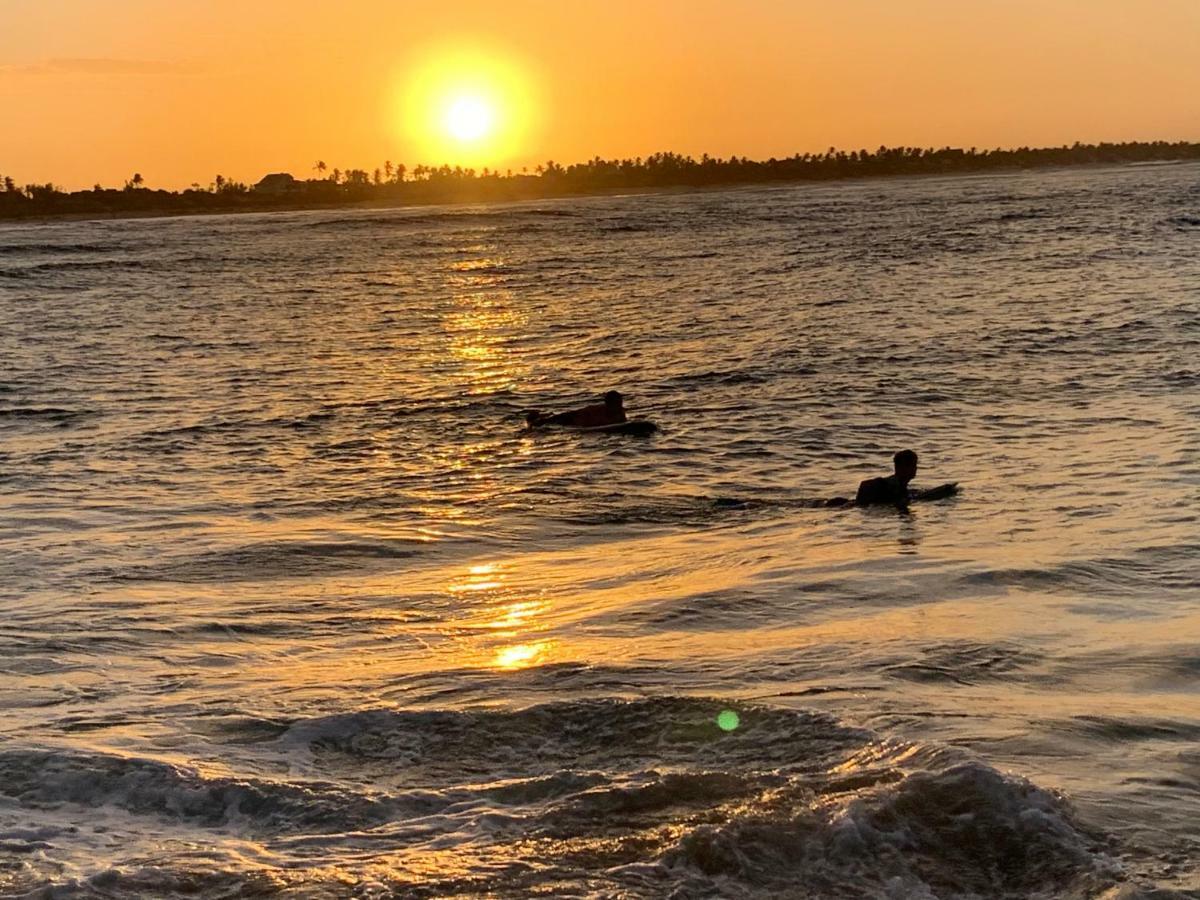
469, 118
465, 105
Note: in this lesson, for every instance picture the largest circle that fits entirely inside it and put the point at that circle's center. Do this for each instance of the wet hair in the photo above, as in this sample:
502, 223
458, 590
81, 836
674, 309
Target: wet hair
904, 458
612, 398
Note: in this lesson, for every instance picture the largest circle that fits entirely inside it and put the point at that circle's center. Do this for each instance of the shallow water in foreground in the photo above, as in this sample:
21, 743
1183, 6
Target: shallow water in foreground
292, 605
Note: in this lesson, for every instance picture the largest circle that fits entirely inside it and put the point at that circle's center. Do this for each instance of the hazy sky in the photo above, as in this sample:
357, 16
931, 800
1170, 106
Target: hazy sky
93, 90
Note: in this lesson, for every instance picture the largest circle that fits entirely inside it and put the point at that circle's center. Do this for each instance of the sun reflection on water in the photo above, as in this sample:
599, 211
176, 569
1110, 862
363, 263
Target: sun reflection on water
482, 326
503, 612
516, 616
486, 577
522, 656
475, 586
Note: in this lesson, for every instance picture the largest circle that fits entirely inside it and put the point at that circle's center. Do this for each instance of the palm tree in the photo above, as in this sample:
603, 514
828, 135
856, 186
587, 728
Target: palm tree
137, 181
401, 170
219, 181
337, 175
387, 169
320, 168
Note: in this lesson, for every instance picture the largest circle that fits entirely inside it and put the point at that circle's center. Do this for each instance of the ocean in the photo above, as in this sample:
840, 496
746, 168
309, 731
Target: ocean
293, 605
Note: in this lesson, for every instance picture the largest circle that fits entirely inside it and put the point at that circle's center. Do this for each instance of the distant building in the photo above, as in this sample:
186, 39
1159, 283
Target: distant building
277, 183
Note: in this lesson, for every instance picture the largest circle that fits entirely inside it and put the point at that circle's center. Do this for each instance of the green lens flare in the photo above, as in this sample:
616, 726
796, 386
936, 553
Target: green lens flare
728, 720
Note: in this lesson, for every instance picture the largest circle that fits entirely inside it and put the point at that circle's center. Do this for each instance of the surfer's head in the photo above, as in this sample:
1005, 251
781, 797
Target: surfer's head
613, 400
905, 462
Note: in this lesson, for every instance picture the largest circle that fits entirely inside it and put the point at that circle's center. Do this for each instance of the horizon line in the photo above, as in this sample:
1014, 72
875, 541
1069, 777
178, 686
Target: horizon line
550, 166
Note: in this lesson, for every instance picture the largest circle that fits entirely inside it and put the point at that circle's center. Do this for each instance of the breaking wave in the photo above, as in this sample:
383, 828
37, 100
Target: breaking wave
641, 797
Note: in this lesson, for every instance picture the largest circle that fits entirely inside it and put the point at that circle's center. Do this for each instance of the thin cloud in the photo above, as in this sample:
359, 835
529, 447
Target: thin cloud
98, 66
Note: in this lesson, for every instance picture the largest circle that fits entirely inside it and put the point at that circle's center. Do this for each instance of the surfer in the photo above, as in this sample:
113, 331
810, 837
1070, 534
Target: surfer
892, 490
610, 412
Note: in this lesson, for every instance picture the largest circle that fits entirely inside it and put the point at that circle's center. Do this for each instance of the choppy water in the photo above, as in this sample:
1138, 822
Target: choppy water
290, 603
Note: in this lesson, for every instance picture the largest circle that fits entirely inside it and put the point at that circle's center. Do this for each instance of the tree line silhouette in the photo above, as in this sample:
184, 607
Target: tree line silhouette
397, 184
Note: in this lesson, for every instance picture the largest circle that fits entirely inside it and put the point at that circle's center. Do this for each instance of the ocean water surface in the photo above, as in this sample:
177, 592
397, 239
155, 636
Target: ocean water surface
293, 606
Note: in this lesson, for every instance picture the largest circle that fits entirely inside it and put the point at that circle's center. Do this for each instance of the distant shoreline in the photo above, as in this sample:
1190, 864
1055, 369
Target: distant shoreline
663, 173
356, 204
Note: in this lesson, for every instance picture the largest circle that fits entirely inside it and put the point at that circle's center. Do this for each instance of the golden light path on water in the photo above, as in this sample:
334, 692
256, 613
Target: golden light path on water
483, 326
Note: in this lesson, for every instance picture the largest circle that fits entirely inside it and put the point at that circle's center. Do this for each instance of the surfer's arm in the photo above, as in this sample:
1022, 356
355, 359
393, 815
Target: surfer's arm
535, 417
865, 497
938, 493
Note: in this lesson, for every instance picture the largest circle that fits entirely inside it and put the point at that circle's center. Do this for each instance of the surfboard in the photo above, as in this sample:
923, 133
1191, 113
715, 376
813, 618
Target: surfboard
636, 427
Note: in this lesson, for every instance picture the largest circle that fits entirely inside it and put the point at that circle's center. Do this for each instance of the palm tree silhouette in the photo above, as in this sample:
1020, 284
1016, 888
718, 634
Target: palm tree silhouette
320, 167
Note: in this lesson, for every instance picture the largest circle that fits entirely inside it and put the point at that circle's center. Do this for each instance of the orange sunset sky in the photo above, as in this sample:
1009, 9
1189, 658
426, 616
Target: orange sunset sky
179, 90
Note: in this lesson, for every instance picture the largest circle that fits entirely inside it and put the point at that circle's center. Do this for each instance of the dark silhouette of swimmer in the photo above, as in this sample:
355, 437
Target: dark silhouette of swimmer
893, 490
610, 412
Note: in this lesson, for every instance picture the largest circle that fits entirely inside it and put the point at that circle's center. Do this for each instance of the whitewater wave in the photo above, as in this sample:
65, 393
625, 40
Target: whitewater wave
667, 796
965, 832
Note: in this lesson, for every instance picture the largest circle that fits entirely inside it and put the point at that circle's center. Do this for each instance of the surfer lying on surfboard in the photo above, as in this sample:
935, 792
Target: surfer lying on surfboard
610, 412
893, 490
599, 418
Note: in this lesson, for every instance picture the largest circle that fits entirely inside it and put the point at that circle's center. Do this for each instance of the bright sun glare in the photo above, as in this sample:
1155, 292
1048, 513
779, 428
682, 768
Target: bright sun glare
466, 106
469, 118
